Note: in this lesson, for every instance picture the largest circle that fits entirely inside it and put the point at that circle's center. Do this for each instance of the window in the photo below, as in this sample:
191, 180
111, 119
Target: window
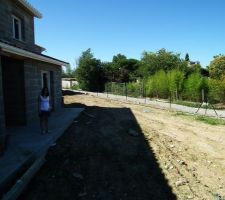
17, 28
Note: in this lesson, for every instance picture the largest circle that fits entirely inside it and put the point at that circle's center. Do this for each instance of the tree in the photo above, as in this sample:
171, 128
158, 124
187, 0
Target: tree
121, 69
217, 90
120, 74
157, 85
67, 72
89, 72
204, 87
217, 67
108, 71
187, 57
192, 87
194, 68
161, 60
175, 81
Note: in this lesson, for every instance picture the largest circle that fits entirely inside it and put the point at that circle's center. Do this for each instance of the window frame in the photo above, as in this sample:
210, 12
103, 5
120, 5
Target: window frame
19, 27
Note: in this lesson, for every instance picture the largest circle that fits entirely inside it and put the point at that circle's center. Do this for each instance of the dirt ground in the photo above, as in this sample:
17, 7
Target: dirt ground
122, 151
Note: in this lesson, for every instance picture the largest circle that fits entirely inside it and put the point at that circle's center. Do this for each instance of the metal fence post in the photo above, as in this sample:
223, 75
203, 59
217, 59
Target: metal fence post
126, 90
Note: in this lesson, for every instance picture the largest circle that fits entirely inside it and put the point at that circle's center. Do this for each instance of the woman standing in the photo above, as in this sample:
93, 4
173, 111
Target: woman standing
44, 108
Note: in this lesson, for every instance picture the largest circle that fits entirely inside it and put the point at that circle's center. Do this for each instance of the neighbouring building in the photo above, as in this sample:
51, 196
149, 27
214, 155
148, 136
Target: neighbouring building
191, 63
24, 70
68, 83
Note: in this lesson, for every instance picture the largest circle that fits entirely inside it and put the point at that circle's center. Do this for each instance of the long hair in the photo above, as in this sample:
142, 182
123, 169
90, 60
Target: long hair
43, 91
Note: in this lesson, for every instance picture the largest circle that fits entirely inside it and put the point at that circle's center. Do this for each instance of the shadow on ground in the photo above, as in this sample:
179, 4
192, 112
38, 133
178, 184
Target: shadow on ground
70, 93
103, 155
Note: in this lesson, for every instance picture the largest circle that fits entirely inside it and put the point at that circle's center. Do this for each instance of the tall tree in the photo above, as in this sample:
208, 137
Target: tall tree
175, 82
187, 57
89, 72
217, 67
192, 87
122, 69
161, 60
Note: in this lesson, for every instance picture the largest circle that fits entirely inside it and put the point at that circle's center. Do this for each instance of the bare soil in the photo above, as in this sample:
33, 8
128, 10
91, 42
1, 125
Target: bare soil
123, 151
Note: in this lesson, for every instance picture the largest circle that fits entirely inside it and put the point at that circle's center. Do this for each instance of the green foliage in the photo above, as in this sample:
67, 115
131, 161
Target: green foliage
204, 87
162, 84
187, 57
175, 81
194, 68
115, 88
67, 72
161, 60
210, 120
187, 103
135, 89
89, 72
75, 87
217, 67
163, 74
217, 90
204, 72
121, 69
205, 119
192, 87
157, 85
150, 87
132, 89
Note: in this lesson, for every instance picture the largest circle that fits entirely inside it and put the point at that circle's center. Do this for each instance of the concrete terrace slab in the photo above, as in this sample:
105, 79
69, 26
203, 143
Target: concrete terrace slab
25, 144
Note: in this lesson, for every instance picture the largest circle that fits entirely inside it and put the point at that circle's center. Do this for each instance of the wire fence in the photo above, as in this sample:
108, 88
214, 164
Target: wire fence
141, 90
125, 89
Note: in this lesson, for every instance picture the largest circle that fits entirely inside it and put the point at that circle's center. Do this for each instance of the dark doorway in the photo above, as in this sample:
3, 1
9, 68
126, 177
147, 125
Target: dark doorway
13, 90
45, 79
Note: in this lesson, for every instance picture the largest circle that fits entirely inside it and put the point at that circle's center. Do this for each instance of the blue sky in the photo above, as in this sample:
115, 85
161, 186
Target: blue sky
129, 27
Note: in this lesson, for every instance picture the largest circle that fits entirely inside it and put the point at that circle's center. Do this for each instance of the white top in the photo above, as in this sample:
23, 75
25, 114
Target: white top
44, 103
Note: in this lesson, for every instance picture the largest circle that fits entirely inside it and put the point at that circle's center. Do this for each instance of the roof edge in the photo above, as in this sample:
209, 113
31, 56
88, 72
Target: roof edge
15, 50
28, 6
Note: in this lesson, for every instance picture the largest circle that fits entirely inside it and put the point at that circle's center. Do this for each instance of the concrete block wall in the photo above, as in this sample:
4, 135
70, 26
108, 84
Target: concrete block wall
33, 85
9, 8
2, 121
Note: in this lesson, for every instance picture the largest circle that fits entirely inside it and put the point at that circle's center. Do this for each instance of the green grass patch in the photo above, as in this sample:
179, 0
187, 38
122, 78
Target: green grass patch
210, 120
182, 114
197, 104
187, 103
202, 118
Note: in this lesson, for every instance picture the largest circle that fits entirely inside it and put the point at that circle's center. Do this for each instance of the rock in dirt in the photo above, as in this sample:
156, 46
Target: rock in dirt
181, 162
146, 110
166, 166
171, 167
132, 132
180, 182
190, 196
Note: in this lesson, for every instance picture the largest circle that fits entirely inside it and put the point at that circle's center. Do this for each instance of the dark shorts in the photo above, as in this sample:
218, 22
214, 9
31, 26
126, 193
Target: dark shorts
44, 113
